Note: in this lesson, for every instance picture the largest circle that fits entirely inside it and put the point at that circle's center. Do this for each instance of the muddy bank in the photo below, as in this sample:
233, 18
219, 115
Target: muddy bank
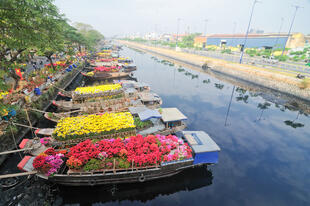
251, 74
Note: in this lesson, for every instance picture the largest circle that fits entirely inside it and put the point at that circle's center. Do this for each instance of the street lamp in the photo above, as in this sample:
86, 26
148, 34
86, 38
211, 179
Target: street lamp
247, 32
289, 32
176, 43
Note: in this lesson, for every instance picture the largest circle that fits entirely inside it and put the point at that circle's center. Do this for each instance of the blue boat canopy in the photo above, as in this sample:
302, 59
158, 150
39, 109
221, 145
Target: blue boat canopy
205, 149
148, 114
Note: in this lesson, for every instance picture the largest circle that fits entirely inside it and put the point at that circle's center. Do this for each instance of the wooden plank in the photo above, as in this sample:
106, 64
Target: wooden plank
13, 151
18, 174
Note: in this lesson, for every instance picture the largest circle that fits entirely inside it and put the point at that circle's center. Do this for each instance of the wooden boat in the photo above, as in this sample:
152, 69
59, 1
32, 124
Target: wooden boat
107, 75
139, 86
167, 121
96, 106
150, 99
205, 152
129, 68
55, 117
82, 97
162, 121
131, 97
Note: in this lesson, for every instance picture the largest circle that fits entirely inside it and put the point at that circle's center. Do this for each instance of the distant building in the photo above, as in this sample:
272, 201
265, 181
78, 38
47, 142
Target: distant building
166, 37
254, 40
179, 36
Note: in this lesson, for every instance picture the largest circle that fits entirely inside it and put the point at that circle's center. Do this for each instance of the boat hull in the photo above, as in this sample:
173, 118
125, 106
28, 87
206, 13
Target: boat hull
109, 76
129, 176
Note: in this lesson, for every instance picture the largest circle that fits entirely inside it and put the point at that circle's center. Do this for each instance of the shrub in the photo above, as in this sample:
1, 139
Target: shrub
282, 58
93, 164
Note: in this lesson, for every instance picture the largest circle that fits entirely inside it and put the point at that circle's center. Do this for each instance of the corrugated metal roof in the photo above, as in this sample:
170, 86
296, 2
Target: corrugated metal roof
200, 141
149, 114
172, 114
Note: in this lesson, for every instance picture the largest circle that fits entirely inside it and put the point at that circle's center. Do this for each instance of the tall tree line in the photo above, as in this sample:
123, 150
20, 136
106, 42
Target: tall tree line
36, 26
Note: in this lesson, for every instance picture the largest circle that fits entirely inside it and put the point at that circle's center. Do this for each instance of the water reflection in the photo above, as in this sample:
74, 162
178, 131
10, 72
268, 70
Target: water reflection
242, 96
262, 107
206, 81
37, 192
293, 123
219, 86
188, 180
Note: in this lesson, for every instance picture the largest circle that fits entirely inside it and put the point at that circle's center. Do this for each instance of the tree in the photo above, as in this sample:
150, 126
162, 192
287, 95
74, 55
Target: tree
24, 26
91, 35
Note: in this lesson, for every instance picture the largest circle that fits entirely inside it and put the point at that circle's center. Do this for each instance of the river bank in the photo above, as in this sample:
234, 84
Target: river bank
259, 76
41, 103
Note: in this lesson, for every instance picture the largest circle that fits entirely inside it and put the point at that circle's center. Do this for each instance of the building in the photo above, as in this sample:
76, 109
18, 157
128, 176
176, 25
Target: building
179, 37
254, 40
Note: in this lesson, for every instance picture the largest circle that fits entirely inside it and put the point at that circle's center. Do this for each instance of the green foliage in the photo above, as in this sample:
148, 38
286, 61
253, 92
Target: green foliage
188, 41
228, 51
93, 164
282, 58
251, 52
140, 125
123, 163
33, 26
88, 35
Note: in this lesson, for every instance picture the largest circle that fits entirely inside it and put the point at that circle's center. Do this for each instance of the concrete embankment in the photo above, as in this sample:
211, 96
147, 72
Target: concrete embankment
259, 76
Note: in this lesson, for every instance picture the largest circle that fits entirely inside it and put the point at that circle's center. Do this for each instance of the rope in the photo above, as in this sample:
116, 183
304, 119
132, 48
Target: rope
15, 141
33, 133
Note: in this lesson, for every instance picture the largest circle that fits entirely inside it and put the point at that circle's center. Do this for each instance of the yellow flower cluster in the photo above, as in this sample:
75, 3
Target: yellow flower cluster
97, 89
2, 94
60, 62
80, 126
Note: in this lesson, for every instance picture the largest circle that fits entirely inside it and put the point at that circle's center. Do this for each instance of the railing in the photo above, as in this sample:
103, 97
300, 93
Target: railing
291, 67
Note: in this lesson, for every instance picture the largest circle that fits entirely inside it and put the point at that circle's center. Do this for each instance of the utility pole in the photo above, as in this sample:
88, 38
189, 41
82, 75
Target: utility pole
176, 43
247, 32
205, 28
282, 20
289, 32
234, 31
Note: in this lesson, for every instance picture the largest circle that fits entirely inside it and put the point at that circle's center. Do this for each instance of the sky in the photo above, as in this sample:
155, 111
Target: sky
120, 17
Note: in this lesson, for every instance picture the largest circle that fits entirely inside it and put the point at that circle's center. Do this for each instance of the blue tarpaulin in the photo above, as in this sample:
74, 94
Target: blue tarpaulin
149, 114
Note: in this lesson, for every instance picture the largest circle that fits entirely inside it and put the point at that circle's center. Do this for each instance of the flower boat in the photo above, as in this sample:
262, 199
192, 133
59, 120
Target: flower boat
106, 75
126, 98
130, 160
124, 60
84, 93
103, 125
95, 106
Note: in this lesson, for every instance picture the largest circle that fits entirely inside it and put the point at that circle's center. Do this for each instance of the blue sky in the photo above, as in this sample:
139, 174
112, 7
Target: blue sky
118, 17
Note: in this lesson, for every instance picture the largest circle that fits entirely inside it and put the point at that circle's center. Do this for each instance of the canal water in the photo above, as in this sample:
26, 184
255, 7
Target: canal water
264, 141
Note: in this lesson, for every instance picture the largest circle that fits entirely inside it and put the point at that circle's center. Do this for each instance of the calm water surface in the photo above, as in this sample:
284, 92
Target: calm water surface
265, 147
